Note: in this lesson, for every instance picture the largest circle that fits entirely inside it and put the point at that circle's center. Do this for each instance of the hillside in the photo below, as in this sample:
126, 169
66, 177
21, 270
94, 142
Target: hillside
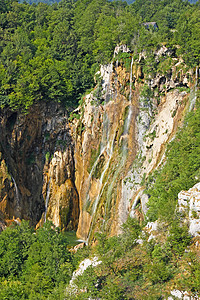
56, 1
99, 137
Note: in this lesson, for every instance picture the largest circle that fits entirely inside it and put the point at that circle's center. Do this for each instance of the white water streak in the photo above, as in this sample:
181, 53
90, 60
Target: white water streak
108, 88
16, 192
109, 152
131, 80
193, 95
47, 200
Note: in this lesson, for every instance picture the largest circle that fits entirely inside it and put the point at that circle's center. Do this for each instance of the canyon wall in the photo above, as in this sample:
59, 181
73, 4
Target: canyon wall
37, 165
125, 128
88, 174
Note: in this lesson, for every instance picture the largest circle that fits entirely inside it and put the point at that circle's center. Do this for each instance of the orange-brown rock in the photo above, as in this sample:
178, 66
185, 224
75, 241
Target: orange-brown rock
35, 147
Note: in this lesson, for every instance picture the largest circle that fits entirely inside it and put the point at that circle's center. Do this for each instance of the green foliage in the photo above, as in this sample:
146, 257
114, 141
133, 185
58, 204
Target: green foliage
188, 30
51, 52
14, 246
49, 2
129, 270
124, 58
32, 265
146, 92
178, 238
11, 289
181, 170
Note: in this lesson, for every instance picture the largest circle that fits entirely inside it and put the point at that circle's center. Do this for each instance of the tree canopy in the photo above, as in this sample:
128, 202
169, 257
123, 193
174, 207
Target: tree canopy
51, 52
33, 264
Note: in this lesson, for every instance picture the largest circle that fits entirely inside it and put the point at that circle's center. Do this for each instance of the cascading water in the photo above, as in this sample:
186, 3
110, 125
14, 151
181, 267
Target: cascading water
100, 192
130, 112
128, 120
196, 76
108, 88
110, 148
193, 94
47, 200
95, 164
16, 192
117, 64
103, 144
131, 80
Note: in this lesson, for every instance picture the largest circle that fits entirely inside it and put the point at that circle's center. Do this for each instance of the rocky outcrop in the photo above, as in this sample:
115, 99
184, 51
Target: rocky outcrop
59, 191
189, 205
89, 174
104, 151
36, 147
121, 137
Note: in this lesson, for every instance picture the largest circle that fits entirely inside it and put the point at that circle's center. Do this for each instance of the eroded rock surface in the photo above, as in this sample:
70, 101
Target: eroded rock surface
35, 147
89, 174
189, 203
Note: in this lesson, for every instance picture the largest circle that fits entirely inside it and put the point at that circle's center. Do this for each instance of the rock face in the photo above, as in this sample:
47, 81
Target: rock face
121, 138
88, 175
189, 204
34, 148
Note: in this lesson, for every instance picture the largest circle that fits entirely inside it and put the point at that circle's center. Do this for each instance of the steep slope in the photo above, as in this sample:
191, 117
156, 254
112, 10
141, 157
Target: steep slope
97, 163
121, 137
37, 164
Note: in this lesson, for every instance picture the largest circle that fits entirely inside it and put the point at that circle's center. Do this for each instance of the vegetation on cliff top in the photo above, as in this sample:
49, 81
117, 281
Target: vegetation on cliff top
54, 1
51, 52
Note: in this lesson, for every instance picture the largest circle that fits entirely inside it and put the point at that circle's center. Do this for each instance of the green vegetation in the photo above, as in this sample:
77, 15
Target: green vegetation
130, 270
181, 171
38, 265
51, 52
33, 265
49, 2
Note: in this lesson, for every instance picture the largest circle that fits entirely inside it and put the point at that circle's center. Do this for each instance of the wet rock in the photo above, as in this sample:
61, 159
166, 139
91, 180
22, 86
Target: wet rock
28, 144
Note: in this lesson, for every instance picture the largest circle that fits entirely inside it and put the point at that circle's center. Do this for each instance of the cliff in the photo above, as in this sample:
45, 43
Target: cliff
125, 128
88, 174
37, 164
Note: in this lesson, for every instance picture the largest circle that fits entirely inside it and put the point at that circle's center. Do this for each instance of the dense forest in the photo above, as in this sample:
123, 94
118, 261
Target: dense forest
51, 53
54, 1
49, 2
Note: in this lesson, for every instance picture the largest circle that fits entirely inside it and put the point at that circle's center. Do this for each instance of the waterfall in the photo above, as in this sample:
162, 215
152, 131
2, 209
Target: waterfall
16, 191
127, 124
130, 110
108, 88
103, 144
95, 163
117, 64
196, 77
131, 80
82, 241
105, 133
47, 200
110, 148
128, 120
193, 94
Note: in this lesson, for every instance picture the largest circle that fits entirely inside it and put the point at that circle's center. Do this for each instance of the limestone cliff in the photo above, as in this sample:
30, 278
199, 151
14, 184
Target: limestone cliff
37, 154
121, 136
189, 207
88, 174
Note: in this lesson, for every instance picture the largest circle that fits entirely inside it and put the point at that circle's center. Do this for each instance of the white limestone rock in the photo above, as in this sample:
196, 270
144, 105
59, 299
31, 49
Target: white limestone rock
189, 202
